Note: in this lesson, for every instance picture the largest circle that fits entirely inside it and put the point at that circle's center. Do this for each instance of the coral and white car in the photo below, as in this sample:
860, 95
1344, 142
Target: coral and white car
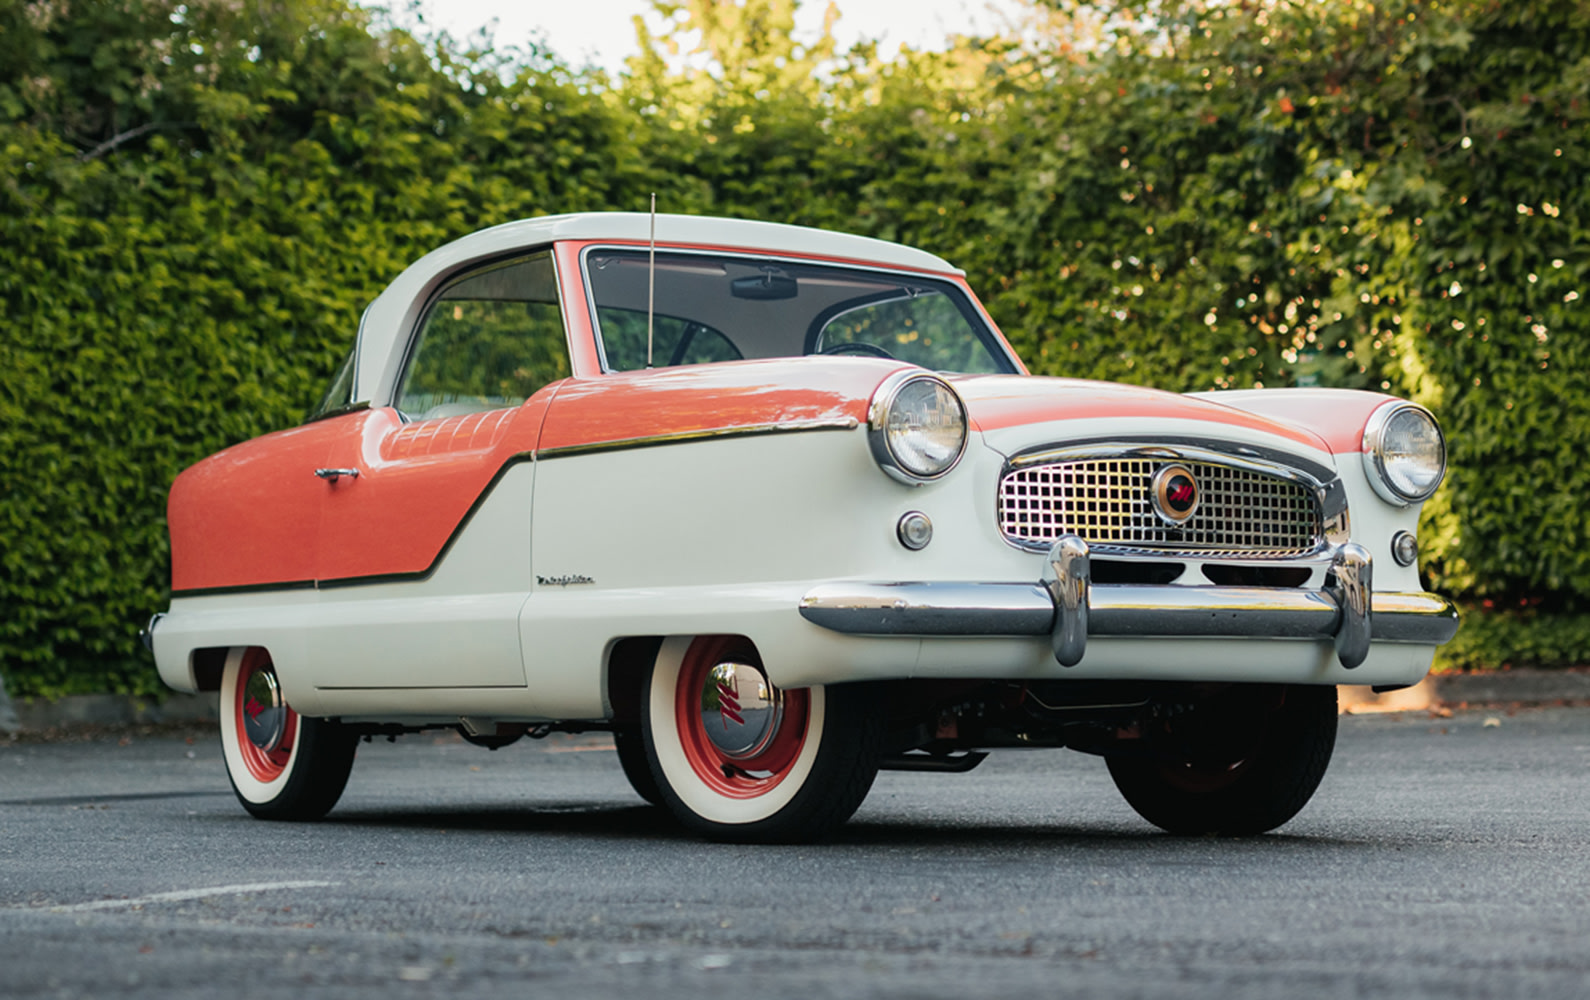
779, 508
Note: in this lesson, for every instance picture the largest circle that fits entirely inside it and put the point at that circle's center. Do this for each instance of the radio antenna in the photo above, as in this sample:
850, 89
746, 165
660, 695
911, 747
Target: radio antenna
651, 277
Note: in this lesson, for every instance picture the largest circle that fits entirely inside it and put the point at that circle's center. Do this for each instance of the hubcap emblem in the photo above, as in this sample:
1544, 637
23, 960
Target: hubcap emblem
1176, 494
740, 710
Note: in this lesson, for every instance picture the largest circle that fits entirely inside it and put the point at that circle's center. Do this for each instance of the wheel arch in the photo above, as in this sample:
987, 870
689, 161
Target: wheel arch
206, 663
628, 663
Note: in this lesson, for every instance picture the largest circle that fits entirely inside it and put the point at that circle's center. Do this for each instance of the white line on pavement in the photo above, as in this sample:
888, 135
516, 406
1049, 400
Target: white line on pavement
175, 897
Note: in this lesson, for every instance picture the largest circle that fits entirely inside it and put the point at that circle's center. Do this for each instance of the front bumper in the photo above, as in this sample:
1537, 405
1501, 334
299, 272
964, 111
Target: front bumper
1069, 608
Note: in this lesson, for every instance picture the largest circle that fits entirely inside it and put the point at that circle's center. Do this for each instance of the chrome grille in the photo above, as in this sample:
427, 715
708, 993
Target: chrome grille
1108, 502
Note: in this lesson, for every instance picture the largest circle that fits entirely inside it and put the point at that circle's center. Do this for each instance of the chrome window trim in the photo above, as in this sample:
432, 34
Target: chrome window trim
877, 417
995, 337
1330, 493
1375, 463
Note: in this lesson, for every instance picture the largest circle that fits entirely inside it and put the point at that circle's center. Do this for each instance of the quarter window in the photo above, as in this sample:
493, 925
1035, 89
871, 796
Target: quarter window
490, 340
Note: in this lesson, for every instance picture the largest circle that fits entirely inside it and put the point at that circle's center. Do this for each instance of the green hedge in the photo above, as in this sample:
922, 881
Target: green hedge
196, 201
1525, 636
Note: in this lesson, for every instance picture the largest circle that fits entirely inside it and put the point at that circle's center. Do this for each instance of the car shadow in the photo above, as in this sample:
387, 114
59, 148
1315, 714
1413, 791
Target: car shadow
632, 822
583, 818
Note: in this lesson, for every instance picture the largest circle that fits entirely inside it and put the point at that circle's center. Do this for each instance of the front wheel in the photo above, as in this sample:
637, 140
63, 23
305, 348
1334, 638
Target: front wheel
281, 764
1241, 762
739, 760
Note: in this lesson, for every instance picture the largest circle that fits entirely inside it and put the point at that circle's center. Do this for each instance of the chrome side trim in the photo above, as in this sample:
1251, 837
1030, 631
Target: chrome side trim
1121, 610
930, 608
678, 437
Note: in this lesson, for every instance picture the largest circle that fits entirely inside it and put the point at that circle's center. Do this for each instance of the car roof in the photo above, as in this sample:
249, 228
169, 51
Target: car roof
395, 311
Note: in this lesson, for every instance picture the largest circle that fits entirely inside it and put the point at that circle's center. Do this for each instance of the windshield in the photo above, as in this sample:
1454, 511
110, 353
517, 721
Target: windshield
724, 308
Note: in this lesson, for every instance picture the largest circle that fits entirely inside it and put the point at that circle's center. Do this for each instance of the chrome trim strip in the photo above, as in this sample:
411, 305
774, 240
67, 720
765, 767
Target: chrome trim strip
1137, 610
678, 437
930, 608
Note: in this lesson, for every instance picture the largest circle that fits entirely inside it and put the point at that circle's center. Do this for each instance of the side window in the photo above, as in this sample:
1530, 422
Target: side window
490, 340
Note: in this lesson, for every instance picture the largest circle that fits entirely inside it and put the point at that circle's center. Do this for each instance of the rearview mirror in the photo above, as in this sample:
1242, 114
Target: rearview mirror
767, 286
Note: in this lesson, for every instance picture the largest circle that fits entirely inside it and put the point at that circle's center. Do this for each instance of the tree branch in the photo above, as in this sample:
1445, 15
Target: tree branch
109, 145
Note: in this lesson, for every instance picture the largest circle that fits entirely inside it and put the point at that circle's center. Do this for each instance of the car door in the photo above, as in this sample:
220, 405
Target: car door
423, 563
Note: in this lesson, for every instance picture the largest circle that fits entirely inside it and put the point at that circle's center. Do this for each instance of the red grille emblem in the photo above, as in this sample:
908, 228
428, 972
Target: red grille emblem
1175, 493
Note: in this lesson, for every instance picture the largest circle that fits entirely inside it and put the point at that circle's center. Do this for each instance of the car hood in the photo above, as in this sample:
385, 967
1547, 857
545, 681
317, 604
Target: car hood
1016, 413
1013, 413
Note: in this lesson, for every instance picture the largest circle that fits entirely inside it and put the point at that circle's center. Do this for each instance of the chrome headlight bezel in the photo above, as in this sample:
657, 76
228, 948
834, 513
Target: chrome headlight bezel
883, 422
1376, 468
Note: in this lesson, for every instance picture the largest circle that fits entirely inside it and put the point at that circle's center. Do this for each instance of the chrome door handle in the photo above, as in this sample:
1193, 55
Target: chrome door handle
332, 475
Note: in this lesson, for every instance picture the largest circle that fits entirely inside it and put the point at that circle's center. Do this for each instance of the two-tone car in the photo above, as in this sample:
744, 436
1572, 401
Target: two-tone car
780, 507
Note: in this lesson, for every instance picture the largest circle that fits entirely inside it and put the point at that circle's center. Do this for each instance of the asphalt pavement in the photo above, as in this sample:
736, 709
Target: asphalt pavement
1442, 857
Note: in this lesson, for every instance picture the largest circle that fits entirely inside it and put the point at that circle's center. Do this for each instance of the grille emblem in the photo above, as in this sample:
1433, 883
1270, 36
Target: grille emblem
1175, 494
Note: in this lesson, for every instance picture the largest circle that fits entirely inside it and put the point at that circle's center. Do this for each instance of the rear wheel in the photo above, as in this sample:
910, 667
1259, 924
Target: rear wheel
1241, 762
737, 759
281, 764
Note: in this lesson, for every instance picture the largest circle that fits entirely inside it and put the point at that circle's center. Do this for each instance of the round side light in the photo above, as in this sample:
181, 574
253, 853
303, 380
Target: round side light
915, 530
1404, 548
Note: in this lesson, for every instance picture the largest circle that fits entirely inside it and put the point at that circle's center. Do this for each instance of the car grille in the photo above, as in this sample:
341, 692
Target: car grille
1108, 503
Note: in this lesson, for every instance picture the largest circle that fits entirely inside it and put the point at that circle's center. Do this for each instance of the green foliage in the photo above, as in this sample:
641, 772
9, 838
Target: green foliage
1496, 638
196, 203
197, 200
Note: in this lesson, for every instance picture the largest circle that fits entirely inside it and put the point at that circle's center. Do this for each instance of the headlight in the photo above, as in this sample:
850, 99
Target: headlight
917, 427
1404, 453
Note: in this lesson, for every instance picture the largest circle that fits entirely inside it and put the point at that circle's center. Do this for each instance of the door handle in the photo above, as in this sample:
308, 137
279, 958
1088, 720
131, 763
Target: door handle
332, 475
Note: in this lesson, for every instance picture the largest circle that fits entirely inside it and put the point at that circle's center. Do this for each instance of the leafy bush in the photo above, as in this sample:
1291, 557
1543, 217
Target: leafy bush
1493, 637
196, 202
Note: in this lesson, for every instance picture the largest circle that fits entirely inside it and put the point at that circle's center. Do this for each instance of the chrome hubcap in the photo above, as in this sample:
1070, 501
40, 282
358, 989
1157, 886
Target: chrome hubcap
740, 710
264, 712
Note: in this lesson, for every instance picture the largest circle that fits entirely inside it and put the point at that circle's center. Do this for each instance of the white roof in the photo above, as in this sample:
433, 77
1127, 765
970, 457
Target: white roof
396, 310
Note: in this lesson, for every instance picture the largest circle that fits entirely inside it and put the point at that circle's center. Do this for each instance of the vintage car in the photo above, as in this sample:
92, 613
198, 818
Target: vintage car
778, 508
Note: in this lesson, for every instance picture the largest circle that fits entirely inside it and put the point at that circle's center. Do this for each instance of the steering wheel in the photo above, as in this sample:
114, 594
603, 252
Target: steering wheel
871, 350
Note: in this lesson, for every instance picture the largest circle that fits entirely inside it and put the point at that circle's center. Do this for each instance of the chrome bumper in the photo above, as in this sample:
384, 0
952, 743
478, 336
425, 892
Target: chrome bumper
1068, 607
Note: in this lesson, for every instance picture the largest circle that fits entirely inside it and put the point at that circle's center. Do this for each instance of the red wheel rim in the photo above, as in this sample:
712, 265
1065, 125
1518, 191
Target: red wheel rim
266, 728
744, 777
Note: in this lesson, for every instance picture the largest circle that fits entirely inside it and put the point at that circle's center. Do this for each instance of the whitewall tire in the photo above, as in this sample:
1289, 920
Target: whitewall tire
281, 764
736, 759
